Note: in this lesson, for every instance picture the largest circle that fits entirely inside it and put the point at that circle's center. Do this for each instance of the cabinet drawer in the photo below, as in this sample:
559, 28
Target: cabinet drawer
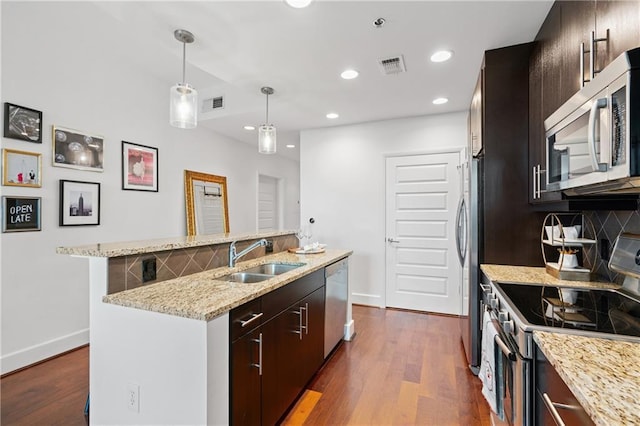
278, 300
245, 318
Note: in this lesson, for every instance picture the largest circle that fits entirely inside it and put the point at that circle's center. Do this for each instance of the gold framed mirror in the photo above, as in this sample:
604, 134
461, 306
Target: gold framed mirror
206, 203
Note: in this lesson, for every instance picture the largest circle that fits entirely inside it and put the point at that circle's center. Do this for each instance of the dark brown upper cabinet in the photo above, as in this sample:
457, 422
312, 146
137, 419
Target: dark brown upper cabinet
622, 20
555, 68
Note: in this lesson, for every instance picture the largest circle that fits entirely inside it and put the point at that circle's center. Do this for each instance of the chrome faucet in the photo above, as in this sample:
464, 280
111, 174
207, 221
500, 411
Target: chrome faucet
232, 251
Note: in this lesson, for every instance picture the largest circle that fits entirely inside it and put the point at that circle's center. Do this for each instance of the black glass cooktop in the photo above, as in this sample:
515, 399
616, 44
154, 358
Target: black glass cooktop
606, 311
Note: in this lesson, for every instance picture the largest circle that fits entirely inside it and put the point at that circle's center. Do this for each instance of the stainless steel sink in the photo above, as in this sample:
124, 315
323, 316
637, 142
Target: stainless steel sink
273, 268
245, 277
260, 272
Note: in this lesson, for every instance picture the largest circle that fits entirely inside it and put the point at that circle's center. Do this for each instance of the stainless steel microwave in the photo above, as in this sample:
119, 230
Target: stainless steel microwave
593, 140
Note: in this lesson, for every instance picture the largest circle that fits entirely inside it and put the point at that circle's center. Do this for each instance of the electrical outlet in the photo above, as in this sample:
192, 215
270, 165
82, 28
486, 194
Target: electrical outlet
148, 269
133, 397
605, 249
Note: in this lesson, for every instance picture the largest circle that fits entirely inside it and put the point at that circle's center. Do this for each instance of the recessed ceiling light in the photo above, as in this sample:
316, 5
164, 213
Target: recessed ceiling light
291, 146
332, 115
441, 56
440, 101
298, 4
349, 74
249, 127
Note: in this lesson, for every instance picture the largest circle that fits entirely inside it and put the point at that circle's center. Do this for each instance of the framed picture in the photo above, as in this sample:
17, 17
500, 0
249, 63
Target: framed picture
20, 214
139, 167
77, 150
22, 123
79, 203
21, 168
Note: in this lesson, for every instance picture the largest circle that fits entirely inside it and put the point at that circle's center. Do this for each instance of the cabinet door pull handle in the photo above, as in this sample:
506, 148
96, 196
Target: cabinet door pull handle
306, 322
593, 52
534, 180
250, 320
259, 364
539, 186
301, 326
582, 53
551, 406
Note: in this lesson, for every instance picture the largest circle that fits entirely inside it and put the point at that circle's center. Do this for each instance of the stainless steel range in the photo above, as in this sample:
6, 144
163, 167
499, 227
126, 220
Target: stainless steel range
518, 309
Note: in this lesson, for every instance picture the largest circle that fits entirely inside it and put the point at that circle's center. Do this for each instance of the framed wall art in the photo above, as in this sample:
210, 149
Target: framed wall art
79, 203
139, 167
77, 150
22, 123
21, 168
206, 203
20, 214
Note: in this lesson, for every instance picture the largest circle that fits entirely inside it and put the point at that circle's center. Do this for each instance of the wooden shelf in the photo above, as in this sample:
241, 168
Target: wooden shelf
579, 242
569, 274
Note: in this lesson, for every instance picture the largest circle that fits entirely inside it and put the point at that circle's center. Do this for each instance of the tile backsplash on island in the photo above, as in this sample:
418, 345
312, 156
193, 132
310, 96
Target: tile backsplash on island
608, 225
125, 272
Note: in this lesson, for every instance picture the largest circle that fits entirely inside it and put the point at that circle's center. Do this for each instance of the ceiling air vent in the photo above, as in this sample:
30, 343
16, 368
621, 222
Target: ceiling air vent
393, 65
213, 104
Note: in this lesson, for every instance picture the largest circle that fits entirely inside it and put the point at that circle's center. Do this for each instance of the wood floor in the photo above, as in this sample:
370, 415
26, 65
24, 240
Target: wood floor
51, 393
402, 368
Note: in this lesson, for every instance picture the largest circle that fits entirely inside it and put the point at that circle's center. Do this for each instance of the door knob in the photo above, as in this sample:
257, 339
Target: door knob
393, 240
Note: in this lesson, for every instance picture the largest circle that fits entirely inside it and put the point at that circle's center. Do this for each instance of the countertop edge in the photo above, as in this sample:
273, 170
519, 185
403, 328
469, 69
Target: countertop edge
513, 274
126, 248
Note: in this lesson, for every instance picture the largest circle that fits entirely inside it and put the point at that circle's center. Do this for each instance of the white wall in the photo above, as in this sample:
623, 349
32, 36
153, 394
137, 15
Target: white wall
51, 62
342, 186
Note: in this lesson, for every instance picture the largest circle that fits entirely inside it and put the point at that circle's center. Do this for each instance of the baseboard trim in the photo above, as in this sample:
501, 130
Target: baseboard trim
367, 299
35, 354
349, 330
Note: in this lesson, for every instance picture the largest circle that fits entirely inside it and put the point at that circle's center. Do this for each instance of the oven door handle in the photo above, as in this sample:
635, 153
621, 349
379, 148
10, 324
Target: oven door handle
505, 349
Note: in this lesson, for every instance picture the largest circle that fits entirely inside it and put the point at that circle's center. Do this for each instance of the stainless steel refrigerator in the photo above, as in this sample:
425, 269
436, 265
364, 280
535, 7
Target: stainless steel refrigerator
472, 316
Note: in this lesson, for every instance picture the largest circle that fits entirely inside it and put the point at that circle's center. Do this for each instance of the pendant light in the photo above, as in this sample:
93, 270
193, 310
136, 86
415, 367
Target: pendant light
267, 132
183, 98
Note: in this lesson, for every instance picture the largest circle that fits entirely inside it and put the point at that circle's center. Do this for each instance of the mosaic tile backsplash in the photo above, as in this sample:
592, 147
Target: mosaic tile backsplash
608, 225
125, 273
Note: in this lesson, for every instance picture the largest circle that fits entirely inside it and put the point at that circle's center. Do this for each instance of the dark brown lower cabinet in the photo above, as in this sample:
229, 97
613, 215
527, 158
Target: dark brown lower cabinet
295, 357
554, 402
246, 379
271, 364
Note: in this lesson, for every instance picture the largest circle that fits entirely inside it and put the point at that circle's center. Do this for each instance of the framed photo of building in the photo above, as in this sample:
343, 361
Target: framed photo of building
20, 214
21, 168
79, 203
77, 150
139, 167
22, 123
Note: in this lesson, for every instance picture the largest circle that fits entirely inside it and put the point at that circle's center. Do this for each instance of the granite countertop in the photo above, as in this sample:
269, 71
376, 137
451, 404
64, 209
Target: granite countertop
535, 275
603, 374
203, 297
150, 246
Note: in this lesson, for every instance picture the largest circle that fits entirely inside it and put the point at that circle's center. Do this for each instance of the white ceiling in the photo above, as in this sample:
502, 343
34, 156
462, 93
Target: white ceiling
241, 46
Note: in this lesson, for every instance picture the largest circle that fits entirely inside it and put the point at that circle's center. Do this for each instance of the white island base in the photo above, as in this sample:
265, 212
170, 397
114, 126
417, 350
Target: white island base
179, 366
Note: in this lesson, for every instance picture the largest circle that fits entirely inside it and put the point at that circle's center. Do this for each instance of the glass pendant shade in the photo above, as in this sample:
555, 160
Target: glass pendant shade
183, 106
267, 139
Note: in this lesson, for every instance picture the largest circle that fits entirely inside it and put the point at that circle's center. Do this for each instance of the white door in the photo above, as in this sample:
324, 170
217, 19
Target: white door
267, 203
422, 196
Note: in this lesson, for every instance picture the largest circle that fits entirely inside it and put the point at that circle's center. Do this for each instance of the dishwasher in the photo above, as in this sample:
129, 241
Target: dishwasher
335, 306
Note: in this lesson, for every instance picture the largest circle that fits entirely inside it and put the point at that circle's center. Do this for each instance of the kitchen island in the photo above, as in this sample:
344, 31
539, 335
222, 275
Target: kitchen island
160, 352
